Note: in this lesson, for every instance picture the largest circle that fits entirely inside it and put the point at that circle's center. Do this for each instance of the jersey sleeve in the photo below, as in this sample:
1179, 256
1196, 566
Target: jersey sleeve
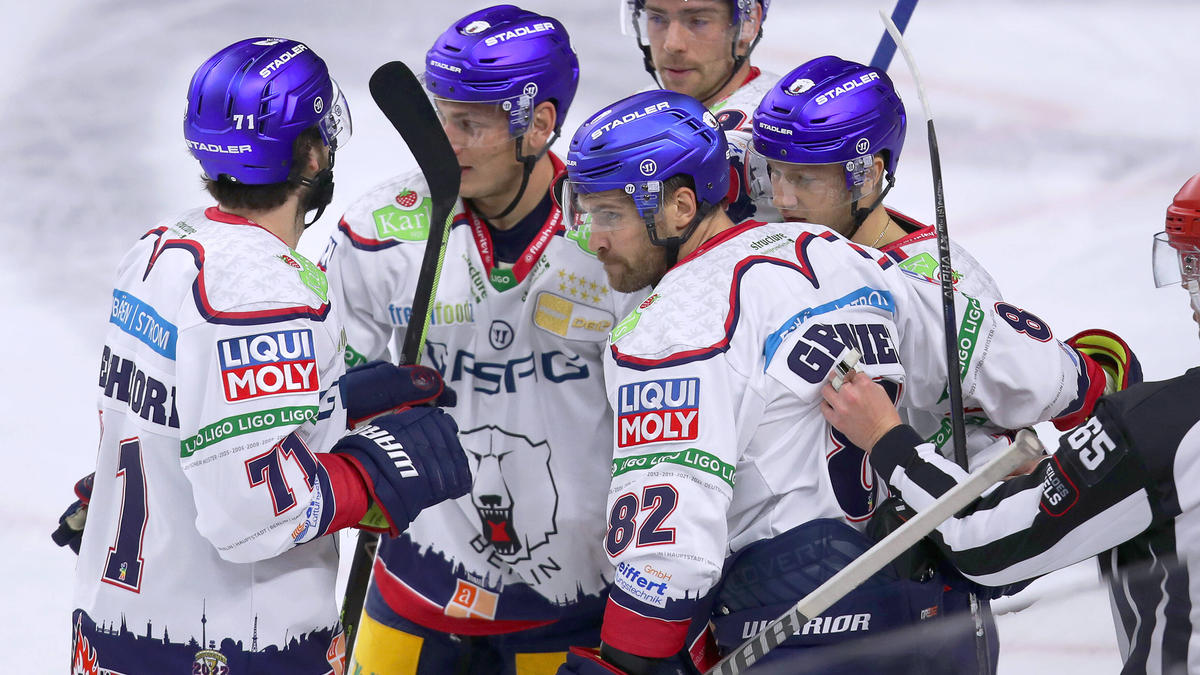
673, 475
365, 276
253, 413
1014, 371
1086, 498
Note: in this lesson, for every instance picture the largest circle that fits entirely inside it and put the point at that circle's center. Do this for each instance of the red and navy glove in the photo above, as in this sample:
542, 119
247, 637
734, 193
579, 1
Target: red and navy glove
380, 387
408, 461
1112, 354
71, 522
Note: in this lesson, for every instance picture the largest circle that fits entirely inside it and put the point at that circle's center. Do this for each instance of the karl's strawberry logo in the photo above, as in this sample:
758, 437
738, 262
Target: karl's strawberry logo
407, 199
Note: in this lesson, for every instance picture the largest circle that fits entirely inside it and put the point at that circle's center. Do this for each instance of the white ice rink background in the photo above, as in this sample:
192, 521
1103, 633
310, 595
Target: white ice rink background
1065, 127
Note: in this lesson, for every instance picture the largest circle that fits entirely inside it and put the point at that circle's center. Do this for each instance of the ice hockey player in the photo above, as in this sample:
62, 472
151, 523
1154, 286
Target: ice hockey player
702, 48
1118, 486
511, 576
220, 396
715, 380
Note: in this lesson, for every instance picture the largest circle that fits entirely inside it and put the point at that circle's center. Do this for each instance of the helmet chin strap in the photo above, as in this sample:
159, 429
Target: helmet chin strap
528, 162
320, 191
858, 216
673, 244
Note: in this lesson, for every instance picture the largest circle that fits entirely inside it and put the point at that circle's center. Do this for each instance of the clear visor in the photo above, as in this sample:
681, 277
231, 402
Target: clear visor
482, 123
799, 189
335, 125
605, 206
1173, 265
704, 23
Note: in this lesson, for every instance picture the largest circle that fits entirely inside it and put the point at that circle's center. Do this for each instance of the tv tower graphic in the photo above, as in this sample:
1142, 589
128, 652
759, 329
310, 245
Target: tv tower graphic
203, 621
254, 636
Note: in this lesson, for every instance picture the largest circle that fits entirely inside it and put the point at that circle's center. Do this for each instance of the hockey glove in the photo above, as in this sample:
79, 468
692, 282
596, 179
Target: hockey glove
408, 461
380, 387
71, 522
610, 661
1112, 354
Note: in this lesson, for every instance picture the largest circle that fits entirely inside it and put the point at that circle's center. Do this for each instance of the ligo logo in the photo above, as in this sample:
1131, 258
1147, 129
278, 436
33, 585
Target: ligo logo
268, 364
658, 411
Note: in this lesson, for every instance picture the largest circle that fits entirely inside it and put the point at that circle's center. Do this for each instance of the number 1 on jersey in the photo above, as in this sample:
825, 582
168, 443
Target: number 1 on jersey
123, 568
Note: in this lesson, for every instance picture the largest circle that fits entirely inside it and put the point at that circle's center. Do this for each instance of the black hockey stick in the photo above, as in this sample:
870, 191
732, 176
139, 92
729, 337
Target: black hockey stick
954, 381
901, 539
402, 99
946, 272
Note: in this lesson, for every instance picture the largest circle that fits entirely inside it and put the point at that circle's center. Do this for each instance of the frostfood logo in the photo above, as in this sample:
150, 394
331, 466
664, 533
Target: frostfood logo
513, 493
658, 411
517, 32
800, 86
846, 87
267, 364
711, 120
283, 58
629, 117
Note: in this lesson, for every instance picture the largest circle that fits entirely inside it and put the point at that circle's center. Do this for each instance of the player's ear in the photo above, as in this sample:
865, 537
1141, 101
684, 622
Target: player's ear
541, 127
681, 207
874, 179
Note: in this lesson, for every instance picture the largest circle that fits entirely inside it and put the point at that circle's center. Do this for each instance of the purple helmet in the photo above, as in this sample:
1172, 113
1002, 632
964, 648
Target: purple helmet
248, 103
831, 111
641, 141
507, 56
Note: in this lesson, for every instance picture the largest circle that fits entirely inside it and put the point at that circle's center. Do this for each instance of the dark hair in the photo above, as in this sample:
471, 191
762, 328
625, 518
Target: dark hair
271, 196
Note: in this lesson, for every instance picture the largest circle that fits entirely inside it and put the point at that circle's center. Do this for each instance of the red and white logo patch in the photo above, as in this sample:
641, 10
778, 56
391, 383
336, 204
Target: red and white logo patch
267, 364
658, 411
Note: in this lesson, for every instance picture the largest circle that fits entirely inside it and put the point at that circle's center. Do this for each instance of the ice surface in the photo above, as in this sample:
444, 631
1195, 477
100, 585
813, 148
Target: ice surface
1065, 128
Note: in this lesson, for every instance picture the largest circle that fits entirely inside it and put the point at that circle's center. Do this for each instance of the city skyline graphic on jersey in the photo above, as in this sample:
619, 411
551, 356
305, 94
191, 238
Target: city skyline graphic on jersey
113, 648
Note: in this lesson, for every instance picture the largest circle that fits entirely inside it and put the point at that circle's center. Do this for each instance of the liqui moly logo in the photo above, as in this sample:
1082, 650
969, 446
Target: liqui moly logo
658, 411
268, 364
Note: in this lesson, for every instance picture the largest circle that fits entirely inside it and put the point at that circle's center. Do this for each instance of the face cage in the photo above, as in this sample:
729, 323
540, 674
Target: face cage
1172, 265
630, 14
643, 195
518, 111
335, 125
762, 189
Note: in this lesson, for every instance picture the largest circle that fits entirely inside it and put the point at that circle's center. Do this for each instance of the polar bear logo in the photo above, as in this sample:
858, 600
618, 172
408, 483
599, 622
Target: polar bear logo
514, 492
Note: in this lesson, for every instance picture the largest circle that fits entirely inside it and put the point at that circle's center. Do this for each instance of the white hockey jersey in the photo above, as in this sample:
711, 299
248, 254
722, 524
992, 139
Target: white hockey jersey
217, 385
522, 347
917, 252
715, 380
735, 111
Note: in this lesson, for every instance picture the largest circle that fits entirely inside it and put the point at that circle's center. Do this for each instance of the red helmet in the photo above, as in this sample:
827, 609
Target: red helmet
1183, 216
1177, 249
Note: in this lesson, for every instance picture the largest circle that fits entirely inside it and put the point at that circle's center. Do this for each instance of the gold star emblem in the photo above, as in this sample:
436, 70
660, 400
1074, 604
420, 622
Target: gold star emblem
572, 277
562, 287
562, 274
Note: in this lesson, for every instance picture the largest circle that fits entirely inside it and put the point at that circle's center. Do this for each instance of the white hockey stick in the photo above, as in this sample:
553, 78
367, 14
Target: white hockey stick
1025, 448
